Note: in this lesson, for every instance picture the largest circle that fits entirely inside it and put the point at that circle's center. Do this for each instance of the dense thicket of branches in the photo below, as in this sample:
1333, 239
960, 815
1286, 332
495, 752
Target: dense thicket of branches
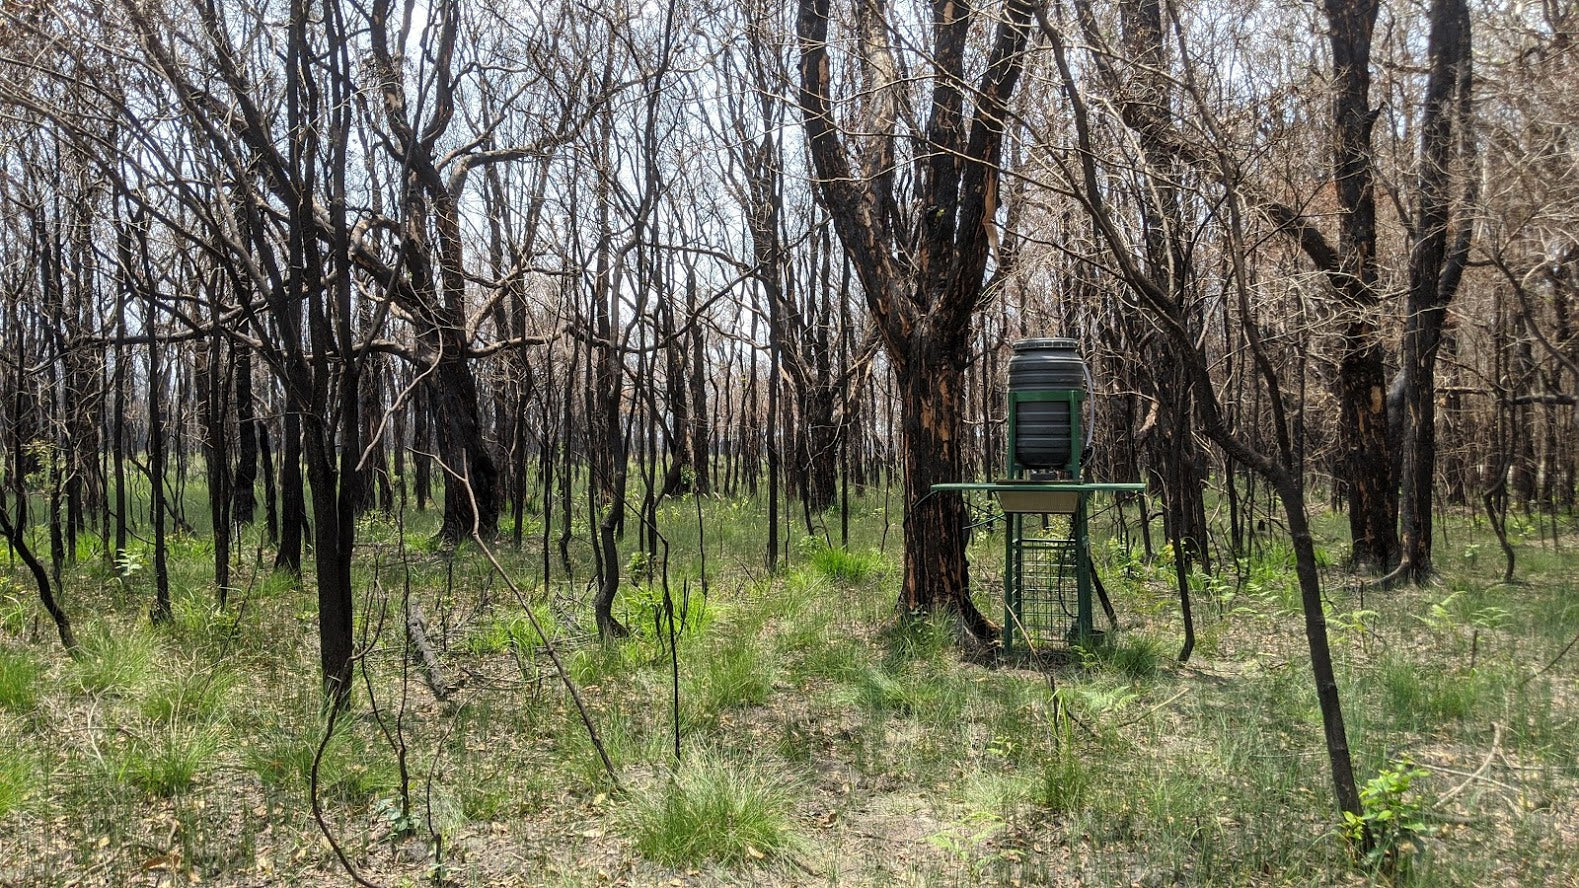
549, 264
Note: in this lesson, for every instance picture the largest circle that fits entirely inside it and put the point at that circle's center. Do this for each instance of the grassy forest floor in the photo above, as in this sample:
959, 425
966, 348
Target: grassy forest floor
822, 743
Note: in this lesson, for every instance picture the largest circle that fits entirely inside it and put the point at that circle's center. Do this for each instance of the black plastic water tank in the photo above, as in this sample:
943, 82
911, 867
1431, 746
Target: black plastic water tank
1043, 433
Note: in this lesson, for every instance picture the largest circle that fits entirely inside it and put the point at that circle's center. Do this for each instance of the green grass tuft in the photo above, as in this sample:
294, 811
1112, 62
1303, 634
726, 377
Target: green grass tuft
1136, 656
169, 762
15, 607
1066, 776
913, 639
738, 671
17, 773
712, 810
841, 565
18, 681
351, 772
115, 662
1417, 699
196, 696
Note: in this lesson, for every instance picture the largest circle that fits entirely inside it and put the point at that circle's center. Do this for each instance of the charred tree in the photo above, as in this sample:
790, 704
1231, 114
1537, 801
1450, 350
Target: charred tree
1440, 236
922, 275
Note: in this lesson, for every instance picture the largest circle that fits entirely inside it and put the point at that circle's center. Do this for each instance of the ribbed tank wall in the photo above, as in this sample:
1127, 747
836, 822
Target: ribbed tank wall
1043, 429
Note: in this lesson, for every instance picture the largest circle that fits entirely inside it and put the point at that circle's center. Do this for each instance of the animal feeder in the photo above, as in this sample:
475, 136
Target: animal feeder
1047, 576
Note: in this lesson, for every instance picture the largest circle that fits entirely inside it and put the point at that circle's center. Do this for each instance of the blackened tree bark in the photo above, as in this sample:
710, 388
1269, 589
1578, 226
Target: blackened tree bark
799, 317
320, 281
433, 250
1440, 236
922, 276
680, 475
307, 328
421, 438
699, 438
1178, 465
1365, 461
271, 512
293, 494
16, 537
211, 377
123, 251
243, 493
156, 459
1280, 469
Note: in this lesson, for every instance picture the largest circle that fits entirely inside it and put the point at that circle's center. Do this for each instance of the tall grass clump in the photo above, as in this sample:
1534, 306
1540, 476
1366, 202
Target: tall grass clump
712, 810
844, 566
110, 662
1066, 774
16, 779
738, 671
15, 608
352, 770
1419, 699
170, 761
1137, 657
18, 681
913, 639
196, 696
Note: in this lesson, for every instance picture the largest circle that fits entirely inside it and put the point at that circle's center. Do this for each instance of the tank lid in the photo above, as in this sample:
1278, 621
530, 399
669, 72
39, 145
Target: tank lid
1049, 344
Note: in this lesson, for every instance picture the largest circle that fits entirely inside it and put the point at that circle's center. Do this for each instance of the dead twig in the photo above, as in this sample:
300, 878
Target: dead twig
1479, 773
1553, 662
1153, 710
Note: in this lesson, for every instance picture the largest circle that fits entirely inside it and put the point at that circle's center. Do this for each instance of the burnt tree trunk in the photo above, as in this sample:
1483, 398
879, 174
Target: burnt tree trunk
923, 281
471, 475
1440, 250
271, 512
931, 391
211, 377
156, 469
243, 493
1281, 471
293, 499
1365, 461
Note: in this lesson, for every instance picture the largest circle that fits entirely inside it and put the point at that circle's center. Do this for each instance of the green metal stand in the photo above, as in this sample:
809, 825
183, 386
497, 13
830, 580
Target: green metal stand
1050, 555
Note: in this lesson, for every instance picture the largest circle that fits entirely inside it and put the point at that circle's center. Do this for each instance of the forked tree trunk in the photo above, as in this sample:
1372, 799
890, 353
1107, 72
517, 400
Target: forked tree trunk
922, 277
1436, 266
1365, 460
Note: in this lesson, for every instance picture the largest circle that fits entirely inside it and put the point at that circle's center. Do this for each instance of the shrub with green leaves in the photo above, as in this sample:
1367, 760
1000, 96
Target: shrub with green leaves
1388, 826
712, 810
